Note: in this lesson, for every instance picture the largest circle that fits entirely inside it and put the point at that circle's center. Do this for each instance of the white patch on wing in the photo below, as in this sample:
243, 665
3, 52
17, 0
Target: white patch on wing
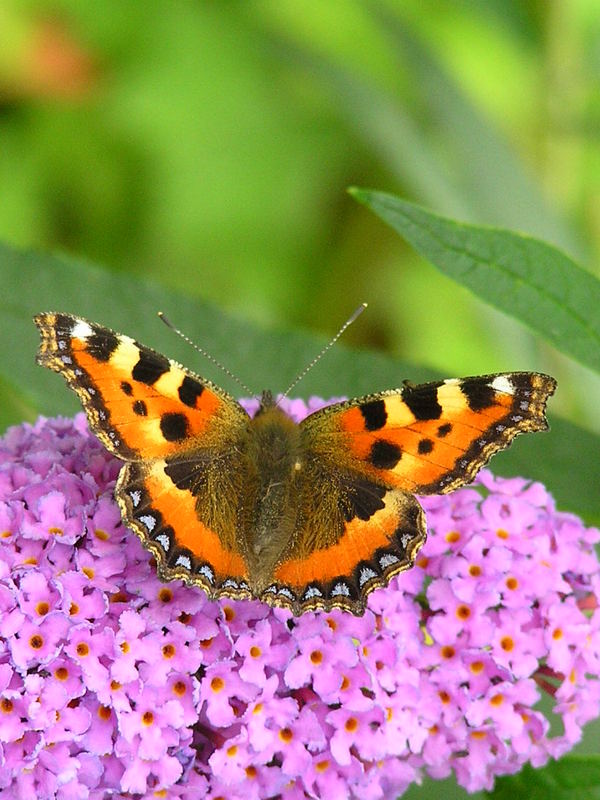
148, 521
207, 573
503, 384
366, 574
311, 592
340, 589
81, 330
283, 590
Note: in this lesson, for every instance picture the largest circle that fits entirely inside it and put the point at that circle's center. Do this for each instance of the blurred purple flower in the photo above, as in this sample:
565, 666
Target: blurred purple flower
113, 682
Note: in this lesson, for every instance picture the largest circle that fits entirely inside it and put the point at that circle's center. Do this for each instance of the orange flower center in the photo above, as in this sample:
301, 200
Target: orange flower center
42, 608
286, 735
168, 651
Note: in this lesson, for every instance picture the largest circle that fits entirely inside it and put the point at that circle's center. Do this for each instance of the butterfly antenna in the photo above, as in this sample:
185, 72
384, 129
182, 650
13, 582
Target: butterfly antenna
206, 355
317, 358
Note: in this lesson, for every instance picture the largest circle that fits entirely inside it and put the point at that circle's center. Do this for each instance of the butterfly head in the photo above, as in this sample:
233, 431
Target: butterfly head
267, 401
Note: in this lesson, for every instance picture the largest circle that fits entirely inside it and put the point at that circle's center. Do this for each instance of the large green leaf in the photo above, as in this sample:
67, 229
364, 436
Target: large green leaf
572, 778
261, 359
522, 276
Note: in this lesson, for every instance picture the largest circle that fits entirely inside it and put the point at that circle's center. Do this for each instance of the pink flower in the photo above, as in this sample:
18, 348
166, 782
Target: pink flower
321, 663
259, 653
112, 682
223, 692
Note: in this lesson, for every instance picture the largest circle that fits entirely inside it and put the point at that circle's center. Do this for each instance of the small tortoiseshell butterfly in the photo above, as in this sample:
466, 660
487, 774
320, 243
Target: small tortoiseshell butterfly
308, 516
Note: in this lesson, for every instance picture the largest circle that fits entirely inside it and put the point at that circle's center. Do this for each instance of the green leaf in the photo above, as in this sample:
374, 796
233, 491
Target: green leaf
572, 778
14, 406
260, 358
524, 277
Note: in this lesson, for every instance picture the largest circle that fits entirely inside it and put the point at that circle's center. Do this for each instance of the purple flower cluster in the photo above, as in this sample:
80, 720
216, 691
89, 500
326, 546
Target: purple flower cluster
113, 683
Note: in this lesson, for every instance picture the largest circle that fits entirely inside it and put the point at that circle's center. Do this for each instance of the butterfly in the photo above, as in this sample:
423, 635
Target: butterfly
305, 516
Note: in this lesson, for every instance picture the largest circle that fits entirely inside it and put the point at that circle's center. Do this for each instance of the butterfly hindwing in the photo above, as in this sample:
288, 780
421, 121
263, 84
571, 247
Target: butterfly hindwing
186, 544
377, 536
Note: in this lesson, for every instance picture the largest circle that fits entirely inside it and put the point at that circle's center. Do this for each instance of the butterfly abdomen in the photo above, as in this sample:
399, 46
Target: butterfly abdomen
275, 454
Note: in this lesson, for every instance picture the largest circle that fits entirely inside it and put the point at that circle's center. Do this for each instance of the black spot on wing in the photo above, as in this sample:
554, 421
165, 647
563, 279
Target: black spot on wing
480, 395
126, 388
174, 426
361, 498
101, 344
444, 429
186, 475
140, 408
425, 446
385, 455
189, 391
150, 366
63, 324
374, 414
423, 401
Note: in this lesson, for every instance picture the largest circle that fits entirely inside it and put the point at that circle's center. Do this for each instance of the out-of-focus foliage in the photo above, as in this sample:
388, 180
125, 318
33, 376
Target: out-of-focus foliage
210, 145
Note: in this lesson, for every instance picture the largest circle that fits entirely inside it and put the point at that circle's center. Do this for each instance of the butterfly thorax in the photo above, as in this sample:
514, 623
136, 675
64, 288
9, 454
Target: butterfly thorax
275, 455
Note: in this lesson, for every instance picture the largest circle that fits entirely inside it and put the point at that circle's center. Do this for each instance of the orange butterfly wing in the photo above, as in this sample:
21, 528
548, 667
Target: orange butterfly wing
434, 437
139, 404
194, 462
374, 453
151, 412
370, 545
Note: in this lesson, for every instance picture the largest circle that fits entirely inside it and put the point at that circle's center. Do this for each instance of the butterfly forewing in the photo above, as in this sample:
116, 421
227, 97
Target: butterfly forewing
433, 437
139, 403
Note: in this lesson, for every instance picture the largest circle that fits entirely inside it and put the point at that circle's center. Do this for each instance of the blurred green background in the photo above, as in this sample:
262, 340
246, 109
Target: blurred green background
209, 146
